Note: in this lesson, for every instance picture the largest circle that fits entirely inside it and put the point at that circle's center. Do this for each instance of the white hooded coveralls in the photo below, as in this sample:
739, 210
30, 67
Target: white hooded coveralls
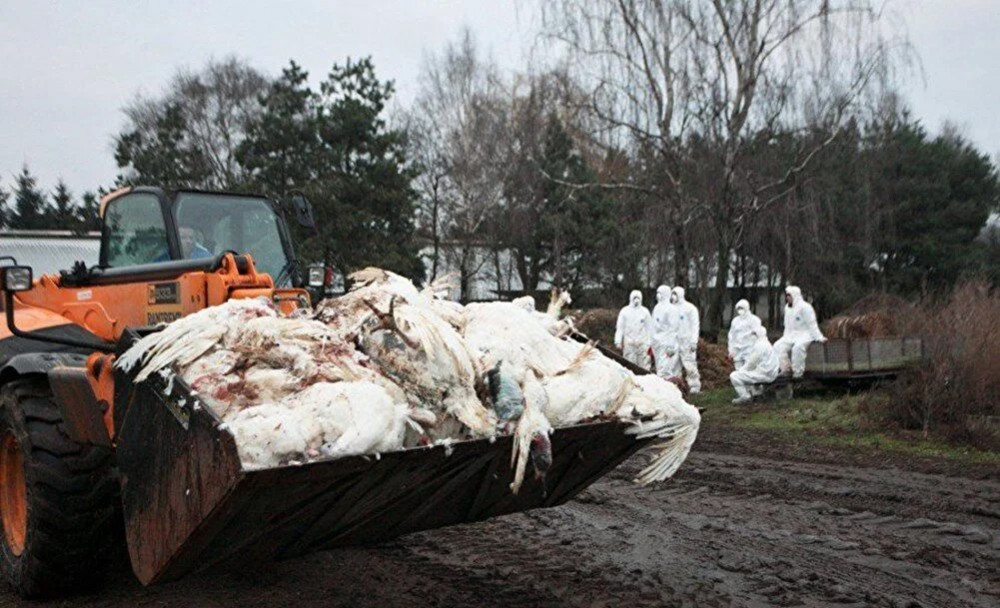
668, 364
634, 331
801, 329
741, 333
761, 366
684, 316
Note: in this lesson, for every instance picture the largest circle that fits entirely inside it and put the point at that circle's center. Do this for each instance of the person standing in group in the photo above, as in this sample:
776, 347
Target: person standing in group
685, 317
759, 367
665, 357
801, 329
634, 331
741, 334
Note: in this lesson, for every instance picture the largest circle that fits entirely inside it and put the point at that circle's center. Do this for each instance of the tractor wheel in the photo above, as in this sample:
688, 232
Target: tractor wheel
56, 497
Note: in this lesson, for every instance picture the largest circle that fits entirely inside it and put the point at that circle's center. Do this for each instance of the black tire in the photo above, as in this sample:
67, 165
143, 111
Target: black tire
69, 492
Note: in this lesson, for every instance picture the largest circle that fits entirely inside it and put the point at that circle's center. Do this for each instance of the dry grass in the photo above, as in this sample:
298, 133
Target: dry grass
597, 324
876, 315
957, 391
878, 324
714, 365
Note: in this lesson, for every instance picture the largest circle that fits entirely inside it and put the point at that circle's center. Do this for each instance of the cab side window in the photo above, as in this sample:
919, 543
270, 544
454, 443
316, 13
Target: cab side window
136, 232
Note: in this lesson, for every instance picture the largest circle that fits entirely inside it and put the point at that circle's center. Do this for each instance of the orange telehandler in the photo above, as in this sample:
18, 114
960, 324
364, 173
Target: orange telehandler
84, 448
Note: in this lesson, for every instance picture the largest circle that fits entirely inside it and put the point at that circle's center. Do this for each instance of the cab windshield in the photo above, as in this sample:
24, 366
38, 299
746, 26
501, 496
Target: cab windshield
209, 224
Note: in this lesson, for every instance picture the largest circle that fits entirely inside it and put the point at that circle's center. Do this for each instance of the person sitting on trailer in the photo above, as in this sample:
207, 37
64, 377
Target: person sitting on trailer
760, 367
801, 329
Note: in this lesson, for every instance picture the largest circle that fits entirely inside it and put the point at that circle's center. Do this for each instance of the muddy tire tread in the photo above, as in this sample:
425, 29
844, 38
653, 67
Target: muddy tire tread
71, 493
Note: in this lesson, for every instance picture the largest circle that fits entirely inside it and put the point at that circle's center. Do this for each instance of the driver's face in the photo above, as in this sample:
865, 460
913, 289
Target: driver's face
187, 240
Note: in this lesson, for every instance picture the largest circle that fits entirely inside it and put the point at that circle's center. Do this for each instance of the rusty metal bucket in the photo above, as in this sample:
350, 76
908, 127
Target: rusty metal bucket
190, 506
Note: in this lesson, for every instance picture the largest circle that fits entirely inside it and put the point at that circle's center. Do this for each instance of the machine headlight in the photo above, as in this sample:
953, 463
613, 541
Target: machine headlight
17, 278
317, 276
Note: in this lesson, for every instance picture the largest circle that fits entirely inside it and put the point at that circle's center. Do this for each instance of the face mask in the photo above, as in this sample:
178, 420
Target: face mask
673, 299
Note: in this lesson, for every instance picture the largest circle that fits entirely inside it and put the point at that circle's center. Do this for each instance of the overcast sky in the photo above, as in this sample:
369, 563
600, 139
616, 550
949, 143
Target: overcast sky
67, 68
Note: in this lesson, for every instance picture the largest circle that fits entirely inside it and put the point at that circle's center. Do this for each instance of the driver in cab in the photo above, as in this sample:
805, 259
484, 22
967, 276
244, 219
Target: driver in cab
191, 249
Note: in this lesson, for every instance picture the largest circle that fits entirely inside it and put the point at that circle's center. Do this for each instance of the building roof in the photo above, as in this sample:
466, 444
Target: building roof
49, 251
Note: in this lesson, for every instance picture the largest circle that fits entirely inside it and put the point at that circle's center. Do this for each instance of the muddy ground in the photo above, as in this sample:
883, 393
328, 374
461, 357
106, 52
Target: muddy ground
747, 522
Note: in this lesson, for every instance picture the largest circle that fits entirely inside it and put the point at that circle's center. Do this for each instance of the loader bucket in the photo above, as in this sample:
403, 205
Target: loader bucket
190, 505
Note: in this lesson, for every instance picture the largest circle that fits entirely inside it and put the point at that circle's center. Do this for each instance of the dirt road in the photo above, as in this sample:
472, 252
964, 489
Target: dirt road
739, 526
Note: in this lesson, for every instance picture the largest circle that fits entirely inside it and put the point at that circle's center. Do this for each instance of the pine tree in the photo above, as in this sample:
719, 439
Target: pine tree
87, 218
162, 157
280, 143
64, 212
335, 146
31, 209
4, 211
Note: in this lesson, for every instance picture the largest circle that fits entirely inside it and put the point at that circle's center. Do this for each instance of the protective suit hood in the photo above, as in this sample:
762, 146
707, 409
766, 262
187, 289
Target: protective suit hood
742, 307
635, 298
679, 292
662, 293
796, 294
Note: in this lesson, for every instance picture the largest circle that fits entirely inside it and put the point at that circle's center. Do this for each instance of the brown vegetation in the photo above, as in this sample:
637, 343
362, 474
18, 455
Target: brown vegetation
876, 315
597, 324
713, 365
879, 324
957, 390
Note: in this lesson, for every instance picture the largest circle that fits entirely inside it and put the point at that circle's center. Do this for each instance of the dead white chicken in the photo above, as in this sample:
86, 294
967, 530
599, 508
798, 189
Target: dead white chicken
372, 290
306, 348
428, 358
580, 382
411, 338
323, 420
658, 409
354, 417
591, 386
531, 437
527, 303
503, 331
550, 319
186, 339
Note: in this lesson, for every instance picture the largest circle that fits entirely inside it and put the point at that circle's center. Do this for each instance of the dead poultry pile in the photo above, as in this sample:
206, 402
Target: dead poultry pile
387, 367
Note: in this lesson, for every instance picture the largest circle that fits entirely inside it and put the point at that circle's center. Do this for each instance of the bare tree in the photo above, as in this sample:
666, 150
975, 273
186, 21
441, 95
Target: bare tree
455, 125
214, 106
725, 74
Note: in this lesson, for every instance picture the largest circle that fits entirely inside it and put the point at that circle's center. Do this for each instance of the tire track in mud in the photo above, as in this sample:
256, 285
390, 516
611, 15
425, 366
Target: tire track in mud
729, 530
748, 531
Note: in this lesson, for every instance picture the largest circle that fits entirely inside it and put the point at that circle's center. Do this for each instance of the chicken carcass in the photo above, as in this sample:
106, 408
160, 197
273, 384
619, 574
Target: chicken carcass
428, 358
531, 440
329, 419
411, 337
190, 337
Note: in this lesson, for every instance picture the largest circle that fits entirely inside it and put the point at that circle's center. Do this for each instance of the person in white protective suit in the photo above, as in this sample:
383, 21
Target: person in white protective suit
801, 329
741, 337
760, 367
668, 364
634, 331
685, 317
